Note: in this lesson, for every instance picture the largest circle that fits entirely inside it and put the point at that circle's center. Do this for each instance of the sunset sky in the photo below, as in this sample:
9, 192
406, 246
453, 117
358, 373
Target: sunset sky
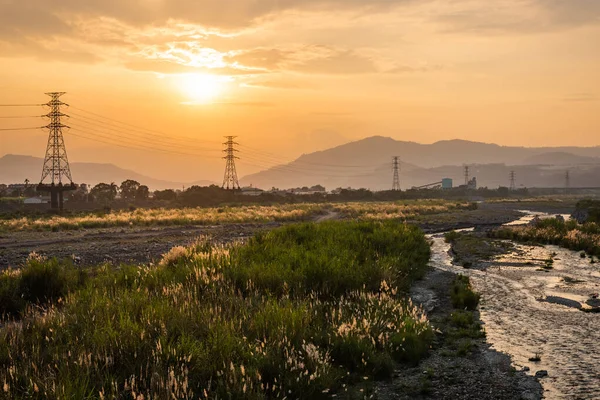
294, 76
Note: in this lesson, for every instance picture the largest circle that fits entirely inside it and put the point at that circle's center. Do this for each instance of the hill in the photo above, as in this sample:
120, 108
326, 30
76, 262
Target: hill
560, 158
367, 163
17, 168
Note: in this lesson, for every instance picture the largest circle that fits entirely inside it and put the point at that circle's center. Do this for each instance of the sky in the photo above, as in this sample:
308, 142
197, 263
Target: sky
154, 85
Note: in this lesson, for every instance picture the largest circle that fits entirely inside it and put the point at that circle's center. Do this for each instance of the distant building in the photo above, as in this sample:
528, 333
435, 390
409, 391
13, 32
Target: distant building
251, 191
36, 200
472, 184
447, 183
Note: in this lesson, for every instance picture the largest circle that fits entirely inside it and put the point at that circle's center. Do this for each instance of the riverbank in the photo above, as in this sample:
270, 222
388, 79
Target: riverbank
533, 297
462, 364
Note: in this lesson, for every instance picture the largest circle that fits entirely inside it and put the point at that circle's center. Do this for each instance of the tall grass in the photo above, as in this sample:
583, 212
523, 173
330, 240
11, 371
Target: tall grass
220, 322
226, 215
401, 210
568, 234
165, 217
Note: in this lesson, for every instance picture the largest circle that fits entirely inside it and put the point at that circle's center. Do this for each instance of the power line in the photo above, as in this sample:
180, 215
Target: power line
21, 129
109, 140
149, 132
22, 105
23, 116
124, 135
273, 156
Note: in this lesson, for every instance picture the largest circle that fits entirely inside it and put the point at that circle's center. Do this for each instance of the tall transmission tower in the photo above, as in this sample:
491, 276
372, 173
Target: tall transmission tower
513, 185
467, 175
230, 180
567, 179
396, 167
56, 164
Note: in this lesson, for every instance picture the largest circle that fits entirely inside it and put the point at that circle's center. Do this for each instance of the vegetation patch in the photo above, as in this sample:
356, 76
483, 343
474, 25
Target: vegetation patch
462, 294
568, 234
250, 322
470, 248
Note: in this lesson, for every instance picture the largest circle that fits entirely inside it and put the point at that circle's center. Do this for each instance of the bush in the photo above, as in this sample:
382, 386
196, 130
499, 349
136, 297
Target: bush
39, 282
462, 295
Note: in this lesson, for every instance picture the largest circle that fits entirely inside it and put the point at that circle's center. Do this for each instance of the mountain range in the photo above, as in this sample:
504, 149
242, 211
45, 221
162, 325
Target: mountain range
17, 168
368, 163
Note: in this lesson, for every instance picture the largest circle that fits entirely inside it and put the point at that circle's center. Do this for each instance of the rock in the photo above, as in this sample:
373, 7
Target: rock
541, 374
526, 369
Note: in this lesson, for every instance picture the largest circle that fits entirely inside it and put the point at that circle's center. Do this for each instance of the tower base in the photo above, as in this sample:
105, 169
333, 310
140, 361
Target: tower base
56, 193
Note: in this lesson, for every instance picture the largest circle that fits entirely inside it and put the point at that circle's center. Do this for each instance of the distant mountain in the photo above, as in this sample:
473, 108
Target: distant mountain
367, 163
560, 158
17, 168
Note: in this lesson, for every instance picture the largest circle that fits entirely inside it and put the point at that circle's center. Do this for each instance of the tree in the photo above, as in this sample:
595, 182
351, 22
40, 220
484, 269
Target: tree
168, 195
142, 192
104, 192
129, 189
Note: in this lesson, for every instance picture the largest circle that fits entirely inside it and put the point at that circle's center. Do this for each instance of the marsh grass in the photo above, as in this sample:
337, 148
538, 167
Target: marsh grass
246, 322
568, 234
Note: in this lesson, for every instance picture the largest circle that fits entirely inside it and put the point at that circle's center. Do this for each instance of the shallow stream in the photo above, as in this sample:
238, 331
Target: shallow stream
529, 312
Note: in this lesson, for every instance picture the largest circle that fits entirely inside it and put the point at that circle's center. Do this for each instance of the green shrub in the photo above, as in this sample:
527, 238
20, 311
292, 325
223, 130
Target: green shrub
462, 295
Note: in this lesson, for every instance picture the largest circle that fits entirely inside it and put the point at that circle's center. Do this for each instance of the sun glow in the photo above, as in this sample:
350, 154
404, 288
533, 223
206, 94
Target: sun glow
201, 88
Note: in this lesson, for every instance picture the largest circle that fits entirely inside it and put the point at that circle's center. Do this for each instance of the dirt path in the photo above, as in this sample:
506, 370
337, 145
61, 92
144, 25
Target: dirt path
137, 245
331, 215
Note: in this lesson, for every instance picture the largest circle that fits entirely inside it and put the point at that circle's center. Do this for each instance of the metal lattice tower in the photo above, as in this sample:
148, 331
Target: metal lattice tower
56, 163
513, 185
567, 180
396, 166
230, 180
466, 175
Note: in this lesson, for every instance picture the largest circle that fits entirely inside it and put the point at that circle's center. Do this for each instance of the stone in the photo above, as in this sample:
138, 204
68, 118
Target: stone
541, 374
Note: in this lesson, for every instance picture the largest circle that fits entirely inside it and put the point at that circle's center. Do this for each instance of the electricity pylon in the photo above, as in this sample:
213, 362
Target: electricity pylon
396, 183
513, 185
466, 175
230, 180
56, 163
567, 180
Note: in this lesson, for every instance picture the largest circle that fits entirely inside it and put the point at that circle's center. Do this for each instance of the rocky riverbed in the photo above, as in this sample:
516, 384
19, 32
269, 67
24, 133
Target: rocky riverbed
534, 303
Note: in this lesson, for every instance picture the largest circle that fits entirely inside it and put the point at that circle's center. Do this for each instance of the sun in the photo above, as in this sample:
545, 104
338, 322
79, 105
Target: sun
201, 88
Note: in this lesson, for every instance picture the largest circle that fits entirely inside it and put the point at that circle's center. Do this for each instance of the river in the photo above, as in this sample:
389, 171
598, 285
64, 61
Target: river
519, 319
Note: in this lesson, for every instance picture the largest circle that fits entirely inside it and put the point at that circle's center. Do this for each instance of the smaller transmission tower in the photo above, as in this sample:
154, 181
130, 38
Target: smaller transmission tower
396, 166
230, 180
567, 180
56, 164
513, 185
467, 175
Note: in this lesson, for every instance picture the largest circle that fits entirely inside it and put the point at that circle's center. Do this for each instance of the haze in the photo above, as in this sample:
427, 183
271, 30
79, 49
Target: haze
290, 77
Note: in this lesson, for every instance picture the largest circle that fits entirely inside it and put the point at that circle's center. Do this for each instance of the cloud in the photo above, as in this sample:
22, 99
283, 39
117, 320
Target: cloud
518, 16
581, 98
169, 67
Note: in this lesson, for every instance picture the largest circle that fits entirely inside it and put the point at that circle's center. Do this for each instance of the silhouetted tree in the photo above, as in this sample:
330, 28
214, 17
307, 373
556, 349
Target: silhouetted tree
129, 189
104, 192
142, 193
168, 195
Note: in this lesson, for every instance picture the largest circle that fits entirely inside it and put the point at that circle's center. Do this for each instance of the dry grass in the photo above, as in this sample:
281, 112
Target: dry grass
193, 327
